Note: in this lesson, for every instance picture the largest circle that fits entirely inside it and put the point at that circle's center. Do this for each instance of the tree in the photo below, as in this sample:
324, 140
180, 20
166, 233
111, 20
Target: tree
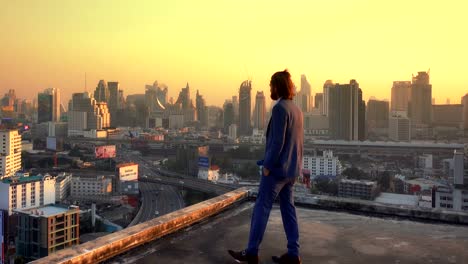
384, 181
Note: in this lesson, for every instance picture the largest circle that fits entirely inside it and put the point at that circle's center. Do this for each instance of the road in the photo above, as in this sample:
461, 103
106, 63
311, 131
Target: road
156, 199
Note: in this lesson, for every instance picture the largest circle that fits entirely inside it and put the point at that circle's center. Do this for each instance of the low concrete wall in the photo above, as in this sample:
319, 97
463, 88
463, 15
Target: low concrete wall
378, 209
119, 242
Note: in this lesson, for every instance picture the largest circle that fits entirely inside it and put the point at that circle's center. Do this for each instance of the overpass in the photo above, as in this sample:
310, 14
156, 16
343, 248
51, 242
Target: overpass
363, 148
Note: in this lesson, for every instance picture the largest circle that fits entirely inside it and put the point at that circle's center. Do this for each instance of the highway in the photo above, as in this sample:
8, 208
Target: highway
156, 198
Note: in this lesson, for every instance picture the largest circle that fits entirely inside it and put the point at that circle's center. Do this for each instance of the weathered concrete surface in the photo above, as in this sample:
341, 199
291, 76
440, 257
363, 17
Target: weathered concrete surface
117, 243
327, 237
376, 209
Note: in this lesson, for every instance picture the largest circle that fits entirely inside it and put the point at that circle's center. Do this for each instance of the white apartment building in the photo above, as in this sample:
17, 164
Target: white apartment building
83, 186
10, 153
24, 192
399, 127
326, 165
454, 197
62, 186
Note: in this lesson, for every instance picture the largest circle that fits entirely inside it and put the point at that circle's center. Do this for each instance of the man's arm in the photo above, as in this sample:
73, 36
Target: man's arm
278, 134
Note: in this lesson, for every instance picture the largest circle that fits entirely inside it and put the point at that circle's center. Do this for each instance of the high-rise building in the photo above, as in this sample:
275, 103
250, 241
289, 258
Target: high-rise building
48, 106
44, 108
245, 108
401, 94
228, 115
449, 115
10, 153
346, 107
318, 102
235, 104
24, 192
421, 100
399, 127
326, 96
202, 112
260, 111
303, 98
154, 93
101, 94
464, 102
9, 98
113, 102
87, 114
46, 229
377, 117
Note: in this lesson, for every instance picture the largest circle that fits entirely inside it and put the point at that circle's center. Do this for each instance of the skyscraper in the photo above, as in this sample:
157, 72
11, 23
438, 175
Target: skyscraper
202, 112
228, 115
401, 94
464, 102
245, 108
44, 108
345, 109
318, 102
87, 114
260, 111
421, 100
303, 98
48, 108
113, 102
101, 94
377, 117
326, 96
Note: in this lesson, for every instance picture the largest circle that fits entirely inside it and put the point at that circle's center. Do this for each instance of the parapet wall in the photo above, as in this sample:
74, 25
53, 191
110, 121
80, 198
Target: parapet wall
119, 242
374, 208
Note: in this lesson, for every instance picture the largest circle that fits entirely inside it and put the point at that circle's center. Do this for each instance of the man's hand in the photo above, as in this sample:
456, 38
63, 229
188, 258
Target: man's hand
266, 171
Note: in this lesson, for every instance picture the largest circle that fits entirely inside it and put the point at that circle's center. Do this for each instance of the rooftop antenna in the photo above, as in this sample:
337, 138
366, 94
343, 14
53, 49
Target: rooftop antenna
85, 87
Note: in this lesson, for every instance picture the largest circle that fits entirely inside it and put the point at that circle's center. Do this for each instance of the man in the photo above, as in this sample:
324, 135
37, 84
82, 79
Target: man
282, 164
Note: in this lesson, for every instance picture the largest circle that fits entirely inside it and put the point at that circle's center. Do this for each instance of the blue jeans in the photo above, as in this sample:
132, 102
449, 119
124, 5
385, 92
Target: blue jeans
270, 188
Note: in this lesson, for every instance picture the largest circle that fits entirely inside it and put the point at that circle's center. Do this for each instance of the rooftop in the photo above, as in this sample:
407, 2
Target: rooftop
326, 237
46, 211
20, 180
201, 234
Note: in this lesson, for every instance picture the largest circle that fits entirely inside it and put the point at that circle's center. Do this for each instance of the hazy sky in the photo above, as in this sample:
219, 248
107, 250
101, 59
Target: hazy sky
215, 45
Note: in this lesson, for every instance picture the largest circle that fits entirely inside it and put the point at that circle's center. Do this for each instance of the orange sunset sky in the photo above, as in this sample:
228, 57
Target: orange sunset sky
215, 45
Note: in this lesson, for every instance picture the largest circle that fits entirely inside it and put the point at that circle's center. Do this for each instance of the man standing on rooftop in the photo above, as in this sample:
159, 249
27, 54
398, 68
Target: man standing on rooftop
281, 166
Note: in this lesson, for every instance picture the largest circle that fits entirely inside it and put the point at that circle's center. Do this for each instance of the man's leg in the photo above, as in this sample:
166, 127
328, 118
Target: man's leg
267, 192
288, 214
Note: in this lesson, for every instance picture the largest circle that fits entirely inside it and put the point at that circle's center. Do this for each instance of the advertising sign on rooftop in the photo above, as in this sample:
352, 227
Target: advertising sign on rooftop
203, 162
105, 152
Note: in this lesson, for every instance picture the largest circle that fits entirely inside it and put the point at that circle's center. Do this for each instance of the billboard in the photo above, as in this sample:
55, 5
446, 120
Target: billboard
203, 162
105, 152
128, 172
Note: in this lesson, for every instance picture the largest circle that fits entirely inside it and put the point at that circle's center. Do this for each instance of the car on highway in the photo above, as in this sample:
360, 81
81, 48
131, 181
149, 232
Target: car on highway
181, 182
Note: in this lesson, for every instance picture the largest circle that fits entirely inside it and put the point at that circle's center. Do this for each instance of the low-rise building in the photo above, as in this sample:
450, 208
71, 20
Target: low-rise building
47, 229
84, 186
23, 192
367, 190
325, 165
62, 186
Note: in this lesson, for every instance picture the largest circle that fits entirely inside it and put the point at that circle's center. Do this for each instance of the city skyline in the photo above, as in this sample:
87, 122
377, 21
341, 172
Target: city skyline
211, 45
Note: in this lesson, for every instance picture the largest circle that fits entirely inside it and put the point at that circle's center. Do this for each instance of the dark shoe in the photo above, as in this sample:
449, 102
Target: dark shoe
241, 256
286, 259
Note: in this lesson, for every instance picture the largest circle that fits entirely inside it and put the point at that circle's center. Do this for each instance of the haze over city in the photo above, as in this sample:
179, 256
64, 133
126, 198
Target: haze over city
215, 45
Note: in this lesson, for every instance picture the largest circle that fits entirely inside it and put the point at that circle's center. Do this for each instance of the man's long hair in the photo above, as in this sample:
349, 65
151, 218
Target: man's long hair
282, 82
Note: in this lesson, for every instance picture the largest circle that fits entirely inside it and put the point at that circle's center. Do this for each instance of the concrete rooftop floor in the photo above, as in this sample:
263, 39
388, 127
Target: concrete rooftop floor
326, 237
